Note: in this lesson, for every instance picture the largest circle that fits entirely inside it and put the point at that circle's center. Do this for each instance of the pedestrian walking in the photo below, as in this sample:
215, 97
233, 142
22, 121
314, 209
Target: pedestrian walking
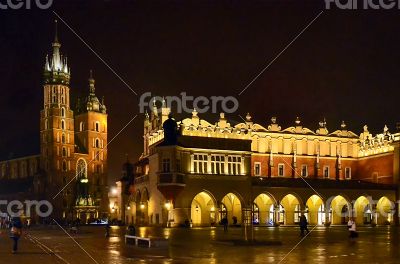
303, 225
15, 232
352, 228
224, 222
107, 230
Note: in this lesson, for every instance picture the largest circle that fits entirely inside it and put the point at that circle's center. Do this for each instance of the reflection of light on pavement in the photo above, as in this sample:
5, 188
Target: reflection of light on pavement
115, 239
212, 233
115, 252
166, 233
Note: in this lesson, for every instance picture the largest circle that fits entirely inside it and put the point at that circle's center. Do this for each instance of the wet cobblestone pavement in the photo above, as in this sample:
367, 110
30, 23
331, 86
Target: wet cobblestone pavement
202, 245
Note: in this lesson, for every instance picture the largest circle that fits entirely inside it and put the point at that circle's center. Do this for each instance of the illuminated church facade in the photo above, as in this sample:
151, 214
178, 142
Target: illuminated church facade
197, 173
71, 169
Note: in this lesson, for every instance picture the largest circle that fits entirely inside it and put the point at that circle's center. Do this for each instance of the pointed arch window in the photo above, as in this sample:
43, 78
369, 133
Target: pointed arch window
62, 124
64, 165
64, 152
97, 143
62, 111
97, 127
63, 138
81, 168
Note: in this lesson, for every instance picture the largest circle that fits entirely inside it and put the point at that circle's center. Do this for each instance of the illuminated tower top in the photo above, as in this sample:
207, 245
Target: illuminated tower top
56, 69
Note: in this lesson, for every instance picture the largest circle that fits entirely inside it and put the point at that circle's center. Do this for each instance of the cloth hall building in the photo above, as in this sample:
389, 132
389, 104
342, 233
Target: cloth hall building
196, 172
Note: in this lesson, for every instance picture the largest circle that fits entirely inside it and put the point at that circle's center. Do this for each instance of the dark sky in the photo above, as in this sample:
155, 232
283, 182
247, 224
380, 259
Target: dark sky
343, 67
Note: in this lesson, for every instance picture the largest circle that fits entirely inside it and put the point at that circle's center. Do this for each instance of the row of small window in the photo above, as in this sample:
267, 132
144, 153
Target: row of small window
304, 170
219, 164
66, 166
96, 126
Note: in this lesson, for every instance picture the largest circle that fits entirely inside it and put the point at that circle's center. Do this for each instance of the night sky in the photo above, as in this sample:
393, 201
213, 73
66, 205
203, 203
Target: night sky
343, 67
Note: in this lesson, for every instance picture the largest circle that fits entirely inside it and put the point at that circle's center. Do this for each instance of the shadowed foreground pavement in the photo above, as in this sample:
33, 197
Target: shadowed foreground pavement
203, 245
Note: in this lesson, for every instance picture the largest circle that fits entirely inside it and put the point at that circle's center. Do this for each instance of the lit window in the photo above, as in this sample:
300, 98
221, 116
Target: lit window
326, 172
281, 170
81, 126
218, 164
200, 163
234, 165
347, 172
304, 171
257, 169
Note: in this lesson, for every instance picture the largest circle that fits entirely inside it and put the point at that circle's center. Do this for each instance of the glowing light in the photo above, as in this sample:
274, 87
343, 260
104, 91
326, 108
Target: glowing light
142, 206
114, 191
167, 205
212, 209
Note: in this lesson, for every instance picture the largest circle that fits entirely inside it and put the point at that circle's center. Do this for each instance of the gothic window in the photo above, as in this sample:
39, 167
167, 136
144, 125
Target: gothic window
281, 170
97, 126
304, 171
97, 143
64, 152
81, 168
257, 168
64, 165
62, 111
326, 172
62, 124
348, 172
63, 138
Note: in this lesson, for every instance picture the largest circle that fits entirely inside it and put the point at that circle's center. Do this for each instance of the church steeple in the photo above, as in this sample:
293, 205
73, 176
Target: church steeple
92, 103
56, 69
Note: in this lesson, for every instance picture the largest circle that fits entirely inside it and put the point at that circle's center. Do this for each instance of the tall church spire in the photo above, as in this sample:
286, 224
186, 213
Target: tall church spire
56, 69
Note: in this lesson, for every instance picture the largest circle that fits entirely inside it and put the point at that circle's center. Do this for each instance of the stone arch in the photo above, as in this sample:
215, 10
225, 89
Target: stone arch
315, 210
362, 211
263, 209
289, 209
231, 208
384, 211
339, 210
203, 209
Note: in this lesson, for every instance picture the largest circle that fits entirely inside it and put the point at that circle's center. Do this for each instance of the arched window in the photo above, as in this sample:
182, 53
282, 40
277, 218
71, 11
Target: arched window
97, 126
64, 165
63, 111
81, 168
81, 126
63, 138
62, 124
97, 143
64, 152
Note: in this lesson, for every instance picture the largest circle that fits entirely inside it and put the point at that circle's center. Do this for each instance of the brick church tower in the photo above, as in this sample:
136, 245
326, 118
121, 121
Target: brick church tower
73, 145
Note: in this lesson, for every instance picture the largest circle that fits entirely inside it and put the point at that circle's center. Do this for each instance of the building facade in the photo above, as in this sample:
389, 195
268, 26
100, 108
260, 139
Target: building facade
194, 172
71, 169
